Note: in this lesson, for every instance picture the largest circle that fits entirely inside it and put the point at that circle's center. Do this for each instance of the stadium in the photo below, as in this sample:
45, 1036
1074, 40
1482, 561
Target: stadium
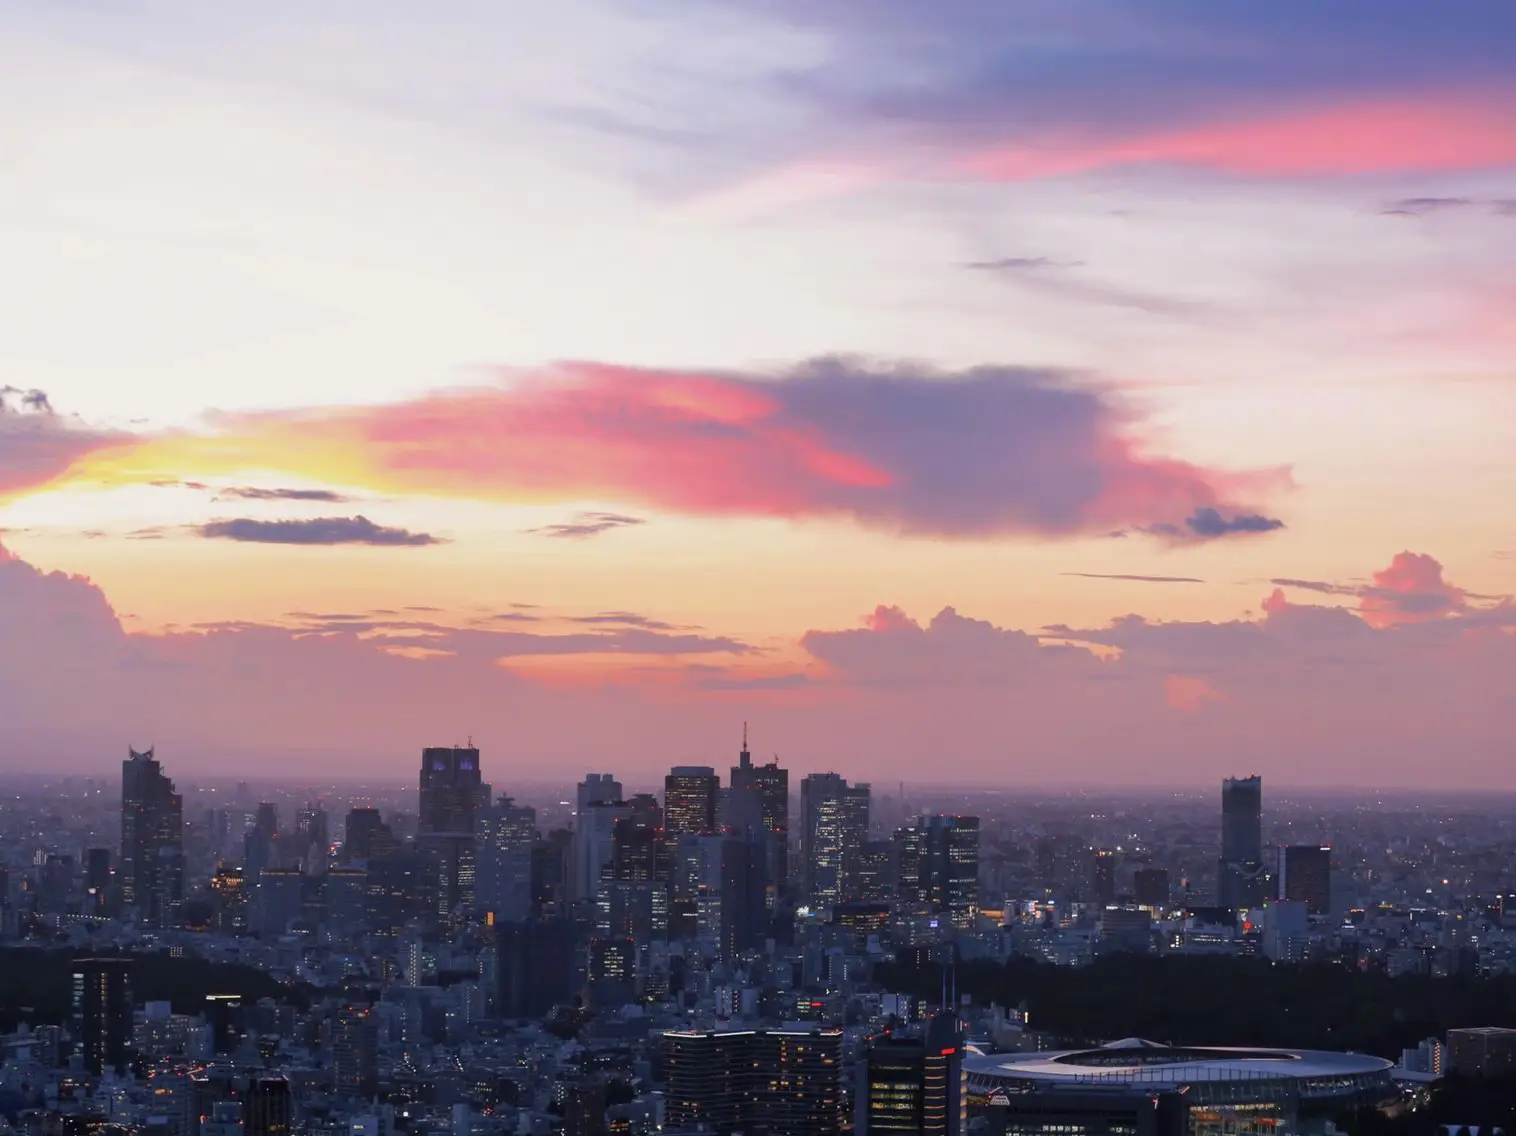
1220, 1091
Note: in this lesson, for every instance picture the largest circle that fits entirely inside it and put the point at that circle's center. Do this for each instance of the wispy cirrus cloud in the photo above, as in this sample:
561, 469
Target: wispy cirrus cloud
626, 619
320, 531
1134, 578
1428, 206
253, 493
1062, 280
258, 493
993, 451
1019, 92
586, 525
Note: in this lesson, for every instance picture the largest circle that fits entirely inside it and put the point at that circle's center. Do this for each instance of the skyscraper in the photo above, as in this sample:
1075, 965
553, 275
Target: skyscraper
269, 1107
595, 846
789, 1080
937, 860
1103, 874
506, 834
835, 826
1241, 876
639, 848
599, 808
452, 794
1150, 887
767, 791
355, 1052
361, 833
914, 1084
744, 907
152, 841
689, 801
452, 790
538, 966
102, 1012
1305, 872
261, 842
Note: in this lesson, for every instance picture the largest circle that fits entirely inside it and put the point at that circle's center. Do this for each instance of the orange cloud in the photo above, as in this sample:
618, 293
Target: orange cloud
1187, 692
991, 451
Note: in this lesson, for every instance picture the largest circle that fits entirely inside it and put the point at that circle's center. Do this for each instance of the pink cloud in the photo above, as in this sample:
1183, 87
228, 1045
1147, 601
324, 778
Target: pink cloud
1384, 135
1380, 135
992, 451
1410, 590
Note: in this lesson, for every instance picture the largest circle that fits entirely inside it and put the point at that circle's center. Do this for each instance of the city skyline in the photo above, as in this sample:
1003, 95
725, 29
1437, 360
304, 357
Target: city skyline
1037, 394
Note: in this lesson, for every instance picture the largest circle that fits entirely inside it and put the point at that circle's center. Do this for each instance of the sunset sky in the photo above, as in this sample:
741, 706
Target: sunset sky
1037, 391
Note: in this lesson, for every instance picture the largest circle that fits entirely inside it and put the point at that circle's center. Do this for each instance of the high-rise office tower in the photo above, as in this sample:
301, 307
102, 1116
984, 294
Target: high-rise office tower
744, 900
452, 794
953, 844
1241, 876
268, 1109
937, 861
504, 839
595, 846
1305, 872
360, 833
102, 1019
639, 846
313, 836
355, 1052
788, 1080
834, 829
452, 789
261, 842
913, 1083
97, 880
1103, 875
552, 871
152, 841
876, 872
1150, 888
768, 789
538, 966
689, 801
597, 789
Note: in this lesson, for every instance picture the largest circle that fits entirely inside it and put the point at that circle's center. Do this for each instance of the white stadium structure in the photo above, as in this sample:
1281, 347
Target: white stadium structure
1227, 1091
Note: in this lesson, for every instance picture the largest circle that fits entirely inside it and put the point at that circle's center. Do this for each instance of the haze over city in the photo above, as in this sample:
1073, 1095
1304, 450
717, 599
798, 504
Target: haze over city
1071, 393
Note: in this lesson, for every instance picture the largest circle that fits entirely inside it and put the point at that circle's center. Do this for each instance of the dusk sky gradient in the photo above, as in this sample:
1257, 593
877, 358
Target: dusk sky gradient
1049, 391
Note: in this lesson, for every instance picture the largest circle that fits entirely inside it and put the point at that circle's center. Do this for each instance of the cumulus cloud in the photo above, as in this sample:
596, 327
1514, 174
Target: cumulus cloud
1306, 694
321, 530
38, 444
992, 451
1411, 589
